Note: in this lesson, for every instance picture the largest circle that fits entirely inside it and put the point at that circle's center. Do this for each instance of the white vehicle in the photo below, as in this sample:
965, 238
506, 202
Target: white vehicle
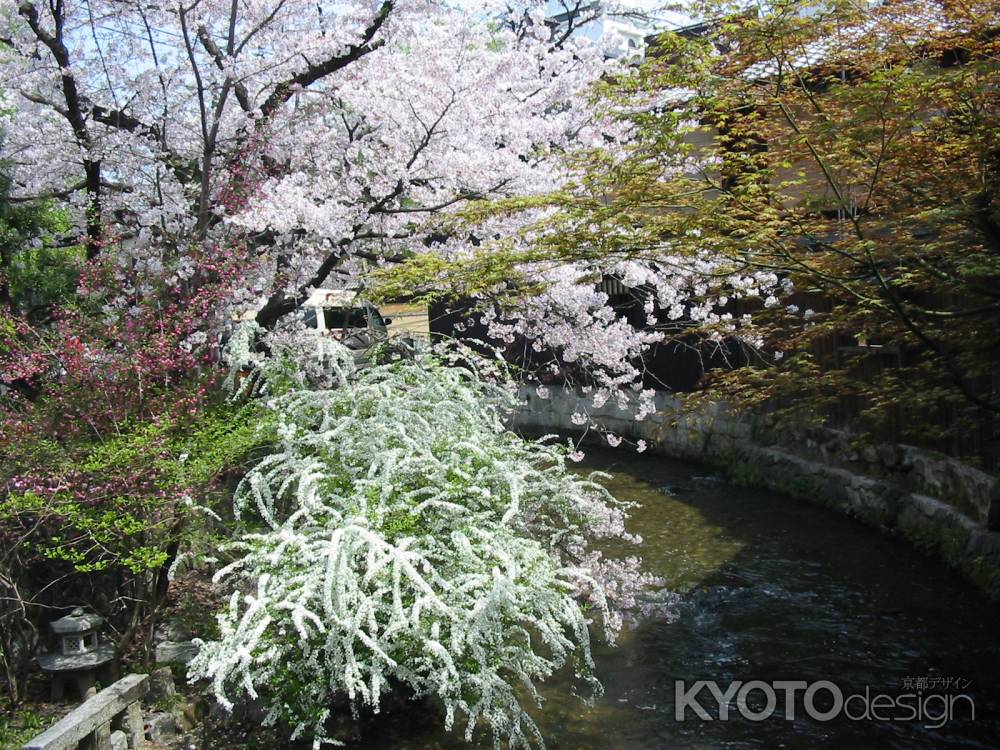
344, 315
340, 313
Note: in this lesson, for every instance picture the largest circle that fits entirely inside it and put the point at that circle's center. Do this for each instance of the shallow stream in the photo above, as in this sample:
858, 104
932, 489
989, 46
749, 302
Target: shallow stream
771, 589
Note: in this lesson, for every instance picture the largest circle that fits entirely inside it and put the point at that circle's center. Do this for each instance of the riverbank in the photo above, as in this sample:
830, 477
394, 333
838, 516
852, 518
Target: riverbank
941, 506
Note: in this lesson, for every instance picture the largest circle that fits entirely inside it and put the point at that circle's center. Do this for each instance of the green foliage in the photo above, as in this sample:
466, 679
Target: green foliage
187, 453
117, 528
36, 267
17, 727
852, 151
101, 523
169, 466
427, 277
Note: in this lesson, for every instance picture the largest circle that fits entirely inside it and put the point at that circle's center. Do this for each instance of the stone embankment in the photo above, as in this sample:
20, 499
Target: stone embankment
940, 505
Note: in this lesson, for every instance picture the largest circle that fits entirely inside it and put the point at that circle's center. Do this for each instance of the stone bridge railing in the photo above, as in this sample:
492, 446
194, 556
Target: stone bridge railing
116, 710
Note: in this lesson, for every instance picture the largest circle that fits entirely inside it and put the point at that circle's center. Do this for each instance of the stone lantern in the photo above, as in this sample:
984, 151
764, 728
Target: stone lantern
81, 656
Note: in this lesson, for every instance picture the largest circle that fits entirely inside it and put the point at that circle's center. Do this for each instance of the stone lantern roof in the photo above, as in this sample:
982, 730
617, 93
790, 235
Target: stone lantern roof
76, 621
80, 656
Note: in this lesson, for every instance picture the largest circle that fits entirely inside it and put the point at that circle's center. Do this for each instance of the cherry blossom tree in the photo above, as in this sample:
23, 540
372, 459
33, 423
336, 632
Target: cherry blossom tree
829, 167
306, 139
286, 145
202, 158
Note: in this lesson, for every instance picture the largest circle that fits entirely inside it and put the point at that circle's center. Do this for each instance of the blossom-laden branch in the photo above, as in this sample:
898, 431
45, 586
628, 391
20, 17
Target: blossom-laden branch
410, 540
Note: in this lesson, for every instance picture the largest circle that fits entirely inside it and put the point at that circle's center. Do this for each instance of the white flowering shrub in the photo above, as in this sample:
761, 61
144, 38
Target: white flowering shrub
406, 540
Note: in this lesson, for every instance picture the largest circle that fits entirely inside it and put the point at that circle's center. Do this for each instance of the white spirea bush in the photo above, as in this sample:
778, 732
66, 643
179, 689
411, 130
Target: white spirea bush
406, 540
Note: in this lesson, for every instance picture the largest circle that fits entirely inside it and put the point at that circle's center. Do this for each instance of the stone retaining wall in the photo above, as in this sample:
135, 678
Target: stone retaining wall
940, 505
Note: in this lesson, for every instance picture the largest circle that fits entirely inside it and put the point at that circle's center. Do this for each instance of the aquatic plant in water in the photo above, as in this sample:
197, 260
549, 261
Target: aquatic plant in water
406, 540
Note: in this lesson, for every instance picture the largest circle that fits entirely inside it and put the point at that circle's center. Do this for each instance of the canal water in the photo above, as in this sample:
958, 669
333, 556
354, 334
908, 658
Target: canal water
771, 589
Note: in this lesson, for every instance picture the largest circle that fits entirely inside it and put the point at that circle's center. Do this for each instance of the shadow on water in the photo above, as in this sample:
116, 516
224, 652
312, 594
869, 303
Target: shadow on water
771, 589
